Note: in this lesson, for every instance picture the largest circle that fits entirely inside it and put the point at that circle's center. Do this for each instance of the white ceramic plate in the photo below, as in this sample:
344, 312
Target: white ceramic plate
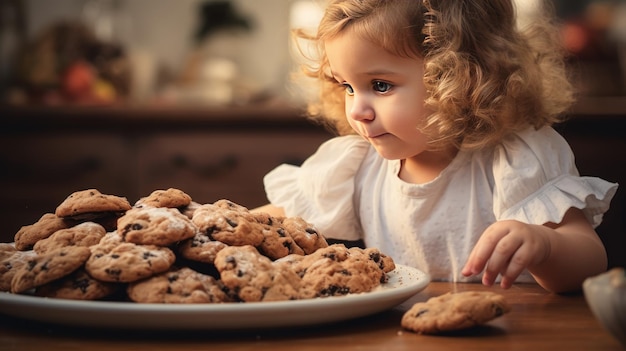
403, 283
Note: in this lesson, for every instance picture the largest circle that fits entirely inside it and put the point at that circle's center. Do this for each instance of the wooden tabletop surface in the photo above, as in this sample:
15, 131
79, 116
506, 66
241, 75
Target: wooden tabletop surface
538, 321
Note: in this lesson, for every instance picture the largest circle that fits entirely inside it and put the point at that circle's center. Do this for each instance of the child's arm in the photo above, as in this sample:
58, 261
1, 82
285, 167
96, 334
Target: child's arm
271, 210
560, 257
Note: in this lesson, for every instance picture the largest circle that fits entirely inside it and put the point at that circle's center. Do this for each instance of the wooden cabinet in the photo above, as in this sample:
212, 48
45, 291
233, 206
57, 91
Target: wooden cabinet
45, 156
38, 171
213, 165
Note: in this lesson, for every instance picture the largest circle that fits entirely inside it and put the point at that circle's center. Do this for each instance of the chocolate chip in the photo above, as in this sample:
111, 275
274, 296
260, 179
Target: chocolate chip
113, 272
231, 222
421, 312
82, 284
499, 311
331, 255
147, 255
231, 260
334, 290
375, 256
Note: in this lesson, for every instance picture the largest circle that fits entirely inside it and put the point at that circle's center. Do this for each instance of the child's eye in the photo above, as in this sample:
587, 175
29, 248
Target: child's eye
381, 87
349, 89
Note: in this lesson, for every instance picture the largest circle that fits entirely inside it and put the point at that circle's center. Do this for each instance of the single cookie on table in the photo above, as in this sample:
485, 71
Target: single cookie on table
178, 285
113, 260
454, 311
232, 227
337, 270
42, 269
253, 277
90, 204
304, 234
172, 198
49, 223
78, 285
83, 234
200, 248
160, 226
11, 259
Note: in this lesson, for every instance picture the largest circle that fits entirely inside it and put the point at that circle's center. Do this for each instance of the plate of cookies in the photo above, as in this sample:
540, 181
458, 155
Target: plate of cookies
167, 262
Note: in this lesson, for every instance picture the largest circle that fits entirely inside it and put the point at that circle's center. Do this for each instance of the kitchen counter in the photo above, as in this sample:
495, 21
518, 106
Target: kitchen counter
149, 117
538, 321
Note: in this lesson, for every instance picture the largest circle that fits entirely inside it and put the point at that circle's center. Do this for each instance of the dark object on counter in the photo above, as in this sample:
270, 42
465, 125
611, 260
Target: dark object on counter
219, 15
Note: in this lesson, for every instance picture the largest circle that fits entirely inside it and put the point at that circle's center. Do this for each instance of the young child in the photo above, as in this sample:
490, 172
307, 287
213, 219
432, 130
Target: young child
447, 160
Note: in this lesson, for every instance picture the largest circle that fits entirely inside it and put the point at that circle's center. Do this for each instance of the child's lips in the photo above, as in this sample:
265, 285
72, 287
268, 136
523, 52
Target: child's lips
372, 135
376, 136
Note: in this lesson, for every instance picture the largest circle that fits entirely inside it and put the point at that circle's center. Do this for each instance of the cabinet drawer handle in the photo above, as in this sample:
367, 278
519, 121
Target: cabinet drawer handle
209, 170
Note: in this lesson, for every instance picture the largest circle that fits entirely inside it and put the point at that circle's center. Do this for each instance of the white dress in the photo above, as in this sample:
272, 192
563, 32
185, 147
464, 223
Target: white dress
349, 192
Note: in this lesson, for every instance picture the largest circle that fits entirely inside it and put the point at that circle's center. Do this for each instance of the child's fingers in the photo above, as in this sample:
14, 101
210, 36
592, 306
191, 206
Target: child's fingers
482, 251
507, 257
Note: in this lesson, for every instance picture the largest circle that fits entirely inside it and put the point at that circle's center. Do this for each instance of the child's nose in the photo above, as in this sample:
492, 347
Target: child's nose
361, 109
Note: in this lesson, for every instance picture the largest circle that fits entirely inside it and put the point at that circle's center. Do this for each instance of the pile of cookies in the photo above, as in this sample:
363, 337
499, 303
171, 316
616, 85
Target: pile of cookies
167, 248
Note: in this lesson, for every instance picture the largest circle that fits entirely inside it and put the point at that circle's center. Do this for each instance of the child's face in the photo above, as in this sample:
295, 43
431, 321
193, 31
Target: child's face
384, 94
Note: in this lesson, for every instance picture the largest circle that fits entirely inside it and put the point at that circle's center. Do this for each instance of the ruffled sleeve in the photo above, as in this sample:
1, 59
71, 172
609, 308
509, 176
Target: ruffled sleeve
536, 181
321, 190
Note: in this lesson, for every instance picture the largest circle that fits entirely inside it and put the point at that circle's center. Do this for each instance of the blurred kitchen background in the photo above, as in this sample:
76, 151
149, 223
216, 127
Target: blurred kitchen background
219, 52
130, 96
183, 51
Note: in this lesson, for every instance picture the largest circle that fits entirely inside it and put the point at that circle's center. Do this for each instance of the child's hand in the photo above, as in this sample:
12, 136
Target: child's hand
507, 248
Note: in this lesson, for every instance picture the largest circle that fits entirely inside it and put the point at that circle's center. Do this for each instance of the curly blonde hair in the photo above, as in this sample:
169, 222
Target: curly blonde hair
485, 77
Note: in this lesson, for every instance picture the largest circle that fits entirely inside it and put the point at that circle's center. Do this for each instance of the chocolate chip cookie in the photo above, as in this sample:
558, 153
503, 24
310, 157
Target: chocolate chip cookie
200, 248
304, 234
172, 198
83, 234
49, 223
160, 226
453, 311
234, 227
42, 269
91, 203
78, 285
253, 277
178, 285
337, 270
11, 260
113, 260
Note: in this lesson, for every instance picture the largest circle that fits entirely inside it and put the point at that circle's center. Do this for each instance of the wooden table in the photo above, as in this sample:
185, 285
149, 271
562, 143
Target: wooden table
539, 321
